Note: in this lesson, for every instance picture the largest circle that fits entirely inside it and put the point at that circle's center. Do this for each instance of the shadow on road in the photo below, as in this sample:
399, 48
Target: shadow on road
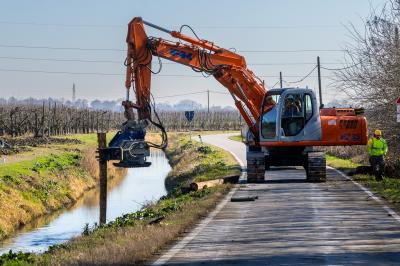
358, 258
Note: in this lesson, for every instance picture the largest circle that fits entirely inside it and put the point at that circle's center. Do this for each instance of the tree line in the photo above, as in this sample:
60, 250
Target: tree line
202, 120
52, 118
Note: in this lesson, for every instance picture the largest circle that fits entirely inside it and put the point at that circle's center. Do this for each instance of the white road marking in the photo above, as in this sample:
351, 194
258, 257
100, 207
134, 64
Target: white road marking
389, 210
237, 159
181, 244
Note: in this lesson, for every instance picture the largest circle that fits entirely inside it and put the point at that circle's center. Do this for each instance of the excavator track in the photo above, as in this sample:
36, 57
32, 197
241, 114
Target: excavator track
255, 167
316, 167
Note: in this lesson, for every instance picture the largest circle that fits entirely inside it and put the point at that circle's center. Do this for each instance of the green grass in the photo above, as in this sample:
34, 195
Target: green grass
14, 259
42, 164
88, 139
341, 164
388, 189
236, 138
91, 139
202, 162
31, 188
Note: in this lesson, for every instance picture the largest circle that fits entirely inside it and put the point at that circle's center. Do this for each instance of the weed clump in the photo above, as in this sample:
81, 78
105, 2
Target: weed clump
205, 149
19, 258
162, 208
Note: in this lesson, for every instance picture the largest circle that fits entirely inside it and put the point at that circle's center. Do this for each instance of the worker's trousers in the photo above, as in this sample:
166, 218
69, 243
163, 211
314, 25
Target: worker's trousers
378, 166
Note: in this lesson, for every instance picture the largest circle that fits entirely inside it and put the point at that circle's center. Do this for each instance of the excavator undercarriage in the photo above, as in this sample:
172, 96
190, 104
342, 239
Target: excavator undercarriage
258, 163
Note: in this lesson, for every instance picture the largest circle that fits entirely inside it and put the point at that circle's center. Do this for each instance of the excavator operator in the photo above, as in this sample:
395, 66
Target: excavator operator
292, 116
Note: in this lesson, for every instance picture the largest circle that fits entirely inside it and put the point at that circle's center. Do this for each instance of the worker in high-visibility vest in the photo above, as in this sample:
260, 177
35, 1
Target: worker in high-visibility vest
377, 148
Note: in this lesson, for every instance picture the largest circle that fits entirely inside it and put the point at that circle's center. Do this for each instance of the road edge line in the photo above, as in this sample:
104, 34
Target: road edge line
389, 210
182, 243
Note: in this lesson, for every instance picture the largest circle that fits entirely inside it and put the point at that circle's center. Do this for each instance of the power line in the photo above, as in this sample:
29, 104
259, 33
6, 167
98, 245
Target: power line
60, 25
218, 92
275, 84
343, 68
191, 93
292, 51
118, 74
60, 72
183, 94
89, 73
60, 60
168, 63
61, 48
123, 50
290, 64
303, 78
171, 26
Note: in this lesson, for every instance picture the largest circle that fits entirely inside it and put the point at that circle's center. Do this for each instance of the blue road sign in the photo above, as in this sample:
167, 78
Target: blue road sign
189, 115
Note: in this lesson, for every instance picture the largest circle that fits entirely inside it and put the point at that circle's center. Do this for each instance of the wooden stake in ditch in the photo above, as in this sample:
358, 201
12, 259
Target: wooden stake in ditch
102, 144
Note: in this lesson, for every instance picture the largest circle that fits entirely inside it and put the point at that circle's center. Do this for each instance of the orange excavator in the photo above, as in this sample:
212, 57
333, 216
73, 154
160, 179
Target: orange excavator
284, 125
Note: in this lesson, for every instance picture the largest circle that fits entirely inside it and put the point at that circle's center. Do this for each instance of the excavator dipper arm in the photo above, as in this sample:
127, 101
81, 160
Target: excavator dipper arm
226, 66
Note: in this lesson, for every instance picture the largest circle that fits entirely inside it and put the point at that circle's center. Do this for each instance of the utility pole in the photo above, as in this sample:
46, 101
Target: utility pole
321, 105
73, 92
208, 101
280, 79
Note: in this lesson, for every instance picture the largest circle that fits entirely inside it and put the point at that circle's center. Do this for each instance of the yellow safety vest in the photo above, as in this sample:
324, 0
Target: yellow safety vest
377, 147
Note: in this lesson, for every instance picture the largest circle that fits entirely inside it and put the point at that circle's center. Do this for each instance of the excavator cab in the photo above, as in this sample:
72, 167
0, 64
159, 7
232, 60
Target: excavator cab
293, 116
290, 125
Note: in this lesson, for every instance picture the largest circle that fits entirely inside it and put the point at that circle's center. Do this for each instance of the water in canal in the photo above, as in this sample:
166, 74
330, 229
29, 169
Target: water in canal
125, 195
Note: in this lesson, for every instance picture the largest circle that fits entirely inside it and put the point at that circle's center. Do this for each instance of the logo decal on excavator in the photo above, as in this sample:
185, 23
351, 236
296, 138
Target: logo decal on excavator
350, 137
181, 54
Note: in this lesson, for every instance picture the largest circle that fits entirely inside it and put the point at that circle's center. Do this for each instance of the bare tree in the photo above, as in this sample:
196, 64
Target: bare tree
371, 76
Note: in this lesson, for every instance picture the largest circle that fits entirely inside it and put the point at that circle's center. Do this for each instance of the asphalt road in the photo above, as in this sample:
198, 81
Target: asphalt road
292, 223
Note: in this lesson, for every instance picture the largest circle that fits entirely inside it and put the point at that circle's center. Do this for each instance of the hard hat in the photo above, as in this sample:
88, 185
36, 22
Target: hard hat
378, 132
290, 98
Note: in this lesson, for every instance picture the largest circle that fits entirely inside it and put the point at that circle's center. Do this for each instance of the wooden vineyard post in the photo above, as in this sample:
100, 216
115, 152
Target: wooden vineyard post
102, 144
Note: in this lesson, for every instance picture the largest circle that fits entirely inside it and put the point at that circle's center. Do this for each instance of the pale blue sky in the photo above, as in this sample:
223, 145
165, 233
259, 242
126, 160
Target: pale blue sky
281, 25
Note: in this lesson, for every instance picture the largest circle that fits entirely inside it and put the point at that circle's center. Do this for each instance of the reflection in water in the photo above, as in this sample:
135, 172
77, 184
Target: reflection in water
125, 195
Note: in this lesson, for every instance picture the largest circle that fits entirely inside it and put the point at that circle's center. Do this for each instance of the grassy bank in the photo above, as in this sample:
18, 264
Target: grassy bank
236, 138
135, 237
193, 161
49, 177
388, 189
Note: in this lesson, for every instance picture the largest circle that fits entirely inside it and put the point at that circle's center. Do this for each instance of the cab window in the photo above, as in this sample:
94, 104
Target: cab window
268, 124
308, 108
